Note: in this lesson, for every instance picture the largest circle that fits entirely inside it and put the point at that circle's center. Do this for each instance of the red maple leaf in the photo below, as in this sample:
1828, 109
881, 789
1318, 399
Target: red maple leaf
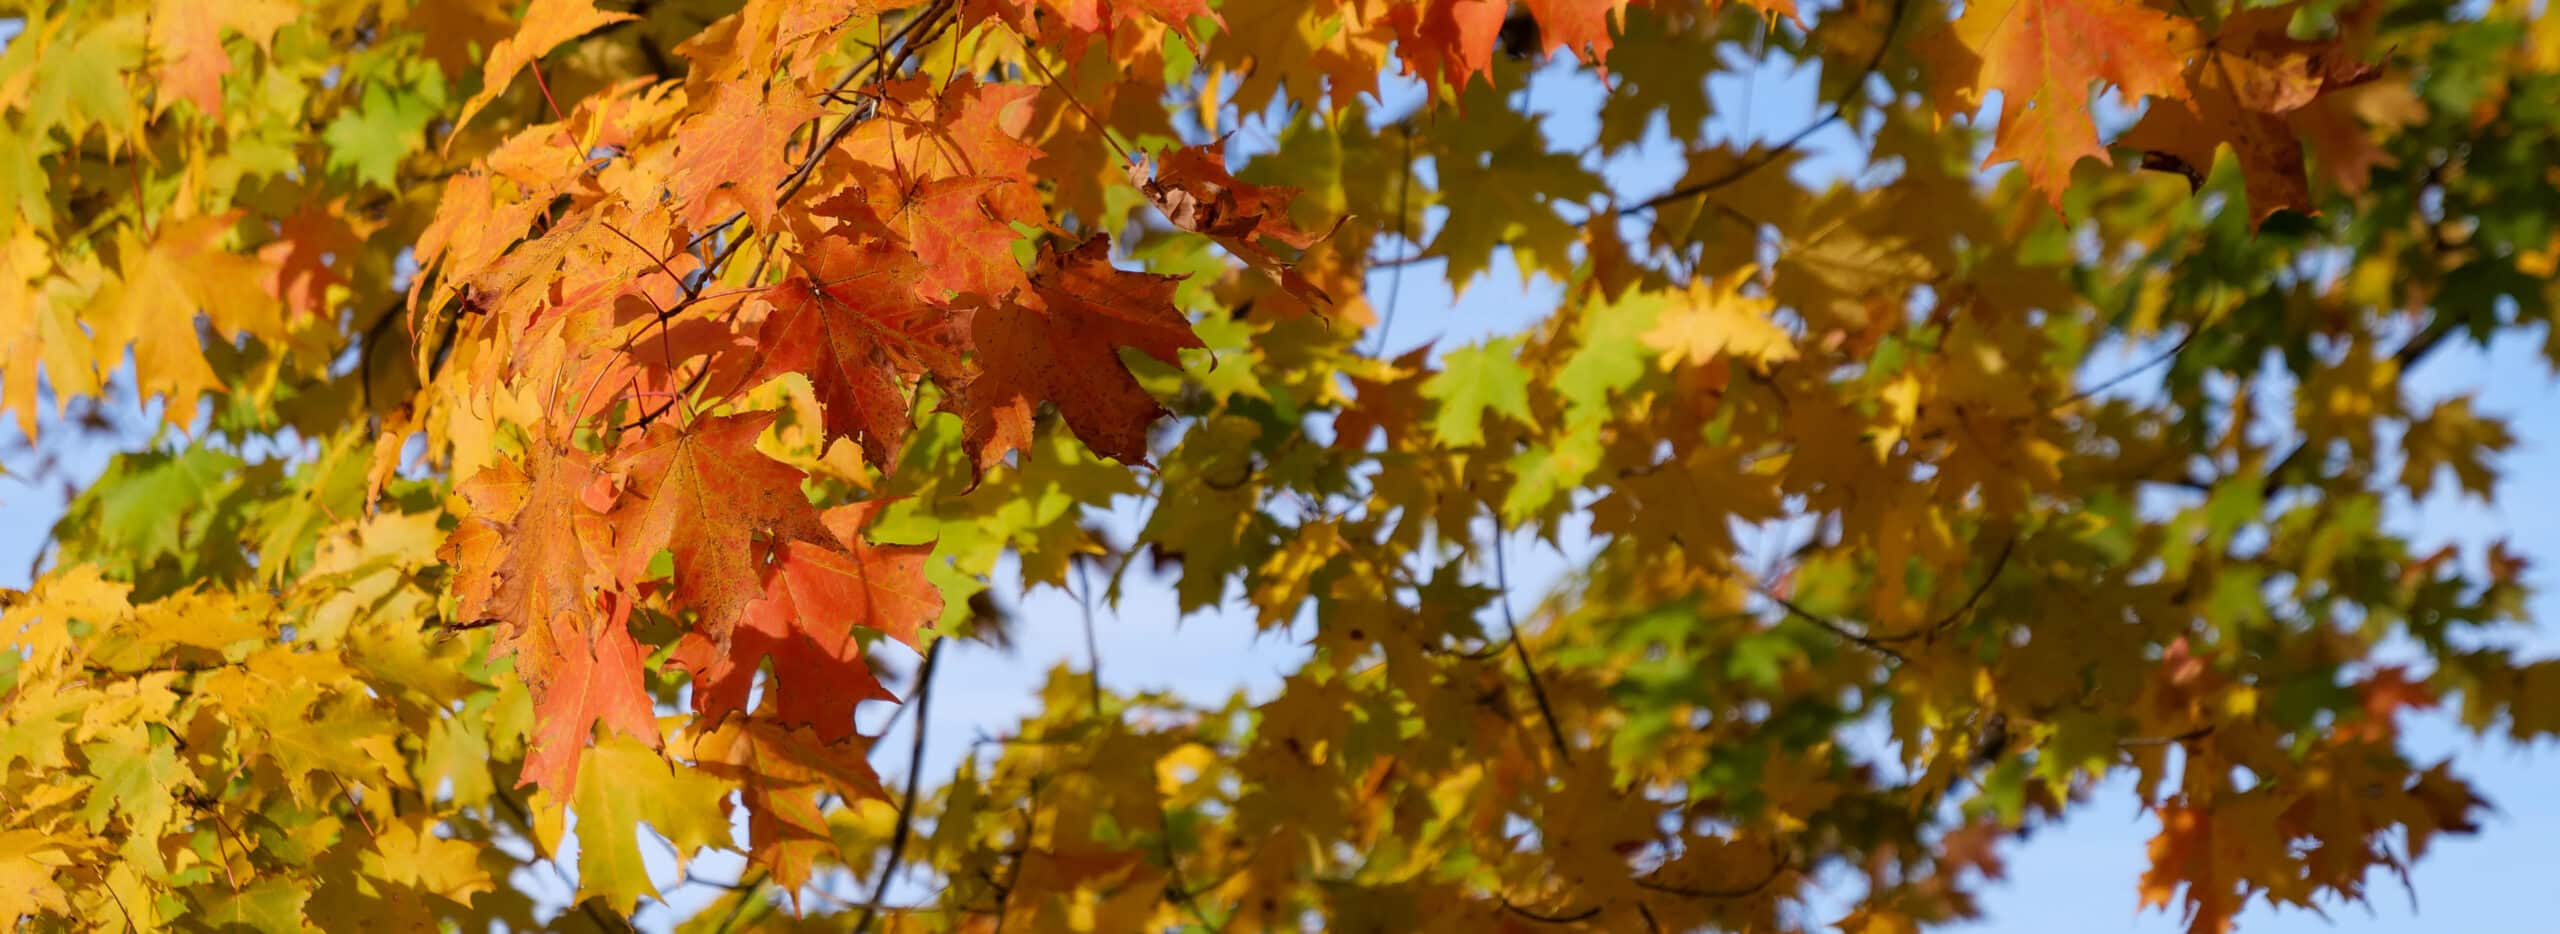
1579, 26
1060, 342
1195, 191
856, 327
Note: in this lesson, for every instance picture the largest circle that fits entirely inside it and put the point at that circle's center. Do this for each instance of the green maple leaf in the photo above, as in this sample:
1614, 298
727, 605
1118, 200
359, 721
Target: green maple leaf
1474, 380
266, 905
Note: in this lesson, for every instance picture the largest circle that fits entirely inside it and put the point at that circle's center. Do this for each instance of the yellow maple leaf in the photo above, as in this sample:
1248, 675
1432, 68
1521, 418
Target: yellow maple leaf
1714, 319
181, 271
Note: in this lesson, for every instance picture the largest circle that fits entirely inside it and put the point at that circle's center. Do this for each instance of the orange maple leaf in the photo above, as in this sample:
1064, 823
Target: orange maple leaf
956, 226
596, 678
188, 34
732, 155
2042, 56
521, 558
719, 507
805, 624
2256, 90
530, 573
1579, 26
1448, 42
547, 23
967, 128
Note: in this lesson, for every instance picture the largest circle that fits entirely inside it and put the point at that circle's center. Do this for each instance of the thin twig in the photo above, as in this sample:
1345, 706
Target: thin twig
1839, 108
1537, 686
1092, 649
2112, 381
1826, 624
1573, 918
1777, 867
202, 806
915, 777
353, 807
1971, 600
1404, 244
739, 910
2194, 734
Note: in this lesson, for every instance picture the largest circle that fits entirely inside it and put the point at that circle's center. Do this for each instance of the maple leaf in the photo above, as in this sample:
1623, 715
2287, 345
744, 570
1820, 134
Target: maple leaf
2043, 56
299, 272
1448, 42
966, 128
1295, 47
594, 677
409, 854
546, 24
1691, 501
805, 626
521, 558
189, 35
1192, 187
1474, 380
450, 31
734, 154
1580, 26
267, 905
38, 332
2185, 853
1388, 405
532, 572
1060, 342
2256, 90
782, 771
181, 271
961, 237
720, 508
855, 339
626, 784
1086, 20
1715, 320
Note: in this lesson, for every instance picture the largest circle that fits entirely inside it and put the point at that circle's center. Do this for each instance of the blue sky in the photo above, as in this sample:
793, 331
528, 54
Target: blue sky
2078, 876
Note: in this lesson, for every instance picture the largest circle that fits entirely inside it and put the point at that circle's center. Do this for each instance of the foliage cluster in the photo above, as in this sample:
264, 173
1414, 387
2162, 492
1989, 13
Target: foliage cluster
569, 407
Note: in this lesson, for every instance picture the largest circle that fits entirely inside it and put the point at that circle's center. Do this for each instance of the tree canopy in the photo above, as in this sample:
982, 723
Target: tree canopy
564, 415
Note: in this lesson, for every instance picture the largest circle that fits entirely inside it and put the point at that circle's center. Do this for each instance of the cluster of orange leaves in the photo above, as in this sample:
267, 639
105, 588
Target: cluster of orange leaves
582, 260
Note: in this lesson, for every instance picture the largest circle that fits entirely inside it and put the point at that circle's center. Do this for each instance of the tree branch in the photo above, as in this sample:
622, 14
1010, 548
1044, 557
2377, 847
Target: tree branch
915, 777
